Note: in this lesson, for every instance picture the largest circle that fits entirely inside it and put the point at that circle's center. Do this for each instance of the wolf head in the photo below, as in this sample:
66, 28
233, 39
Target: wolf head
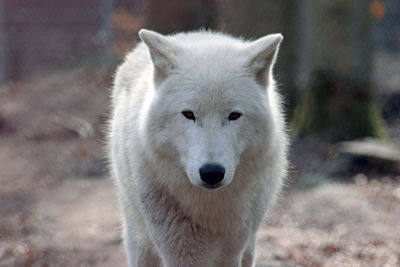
209, 104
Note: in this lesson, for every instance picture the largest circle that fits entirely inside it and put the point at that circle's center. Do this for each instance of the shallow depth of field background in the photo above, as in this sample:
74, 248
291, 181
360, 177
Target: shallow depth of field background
338, 69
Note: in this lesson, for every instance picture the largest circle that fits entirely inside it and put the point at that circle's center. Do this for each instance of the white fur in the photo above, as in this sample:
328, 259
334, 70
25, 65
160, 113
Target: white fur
169, 218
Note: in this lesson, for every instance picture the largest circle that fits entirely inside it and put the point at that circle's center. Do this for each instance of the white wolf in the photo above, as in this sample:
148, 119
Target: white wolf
198, 147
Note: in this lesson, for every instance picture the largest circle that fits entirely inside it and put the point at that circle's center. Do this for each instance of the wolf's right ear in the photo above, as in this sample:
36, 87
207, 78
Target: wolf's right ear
162, 51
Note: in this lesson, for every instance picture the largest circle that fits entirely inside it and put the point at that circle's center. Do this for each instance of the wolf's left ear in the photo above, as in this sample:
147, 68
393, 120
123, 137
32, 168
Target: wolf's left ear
262, 57
162, 51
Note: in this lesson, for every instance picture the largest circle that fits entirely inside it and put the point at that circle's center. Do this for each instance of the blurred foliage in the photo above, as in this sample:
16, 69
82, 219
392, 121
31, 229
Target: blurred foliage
377, 10
125, 25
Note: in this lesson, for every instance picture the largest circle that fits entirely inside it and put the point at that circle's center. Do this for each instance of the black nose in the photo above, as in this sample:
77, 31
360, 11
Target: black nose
212, 173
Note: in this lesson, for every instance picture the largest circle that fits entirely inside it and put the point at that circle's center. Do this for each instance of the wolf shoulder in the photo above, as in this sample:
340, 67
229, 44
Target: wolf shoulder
132, 75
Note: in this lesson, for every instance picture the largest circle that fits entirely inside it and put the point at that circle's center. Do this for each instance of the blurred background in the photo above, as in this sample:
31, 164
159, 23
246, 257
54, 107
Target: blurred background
338, 69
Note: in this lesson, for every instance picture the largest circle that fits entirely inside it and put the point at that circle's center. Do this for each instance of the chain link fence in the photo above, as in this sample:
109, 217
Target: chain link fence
43, 36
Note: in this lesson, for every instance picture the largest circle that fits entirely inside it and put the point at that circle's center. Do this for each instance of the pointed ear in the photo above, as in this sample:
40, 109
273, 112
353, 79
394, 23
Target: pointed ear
162, 51
262, 57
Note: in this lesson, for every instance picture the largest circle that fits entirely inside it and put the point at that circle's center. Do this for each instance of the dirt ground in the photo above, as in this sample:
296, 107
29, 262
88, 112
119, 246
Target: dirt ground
58, 206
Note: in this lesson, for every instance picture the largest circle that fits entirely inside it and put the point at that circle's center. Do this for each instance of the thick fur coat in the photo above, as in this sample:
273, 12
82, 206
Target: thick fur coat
173, 100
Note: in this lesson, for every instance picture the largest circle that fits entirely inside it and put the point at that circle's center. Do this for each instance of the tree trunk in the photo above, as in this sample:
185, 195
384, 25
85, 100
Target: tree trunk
256, 18
339, 102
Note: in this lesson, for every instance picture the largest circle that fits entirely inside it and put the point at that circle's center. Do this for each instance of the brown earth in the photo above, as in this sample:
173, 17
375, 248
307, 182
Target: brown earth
58, 206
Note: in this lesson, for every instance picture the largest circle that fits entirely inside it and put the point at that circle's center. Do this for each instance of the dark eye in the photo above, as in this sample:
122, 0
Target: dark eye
189, 115
234, 116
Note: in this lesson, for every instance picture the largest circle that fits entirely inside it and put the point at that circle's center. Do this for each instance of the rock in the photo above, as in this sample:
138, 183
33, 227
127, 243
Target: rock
371, 148
370, 156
